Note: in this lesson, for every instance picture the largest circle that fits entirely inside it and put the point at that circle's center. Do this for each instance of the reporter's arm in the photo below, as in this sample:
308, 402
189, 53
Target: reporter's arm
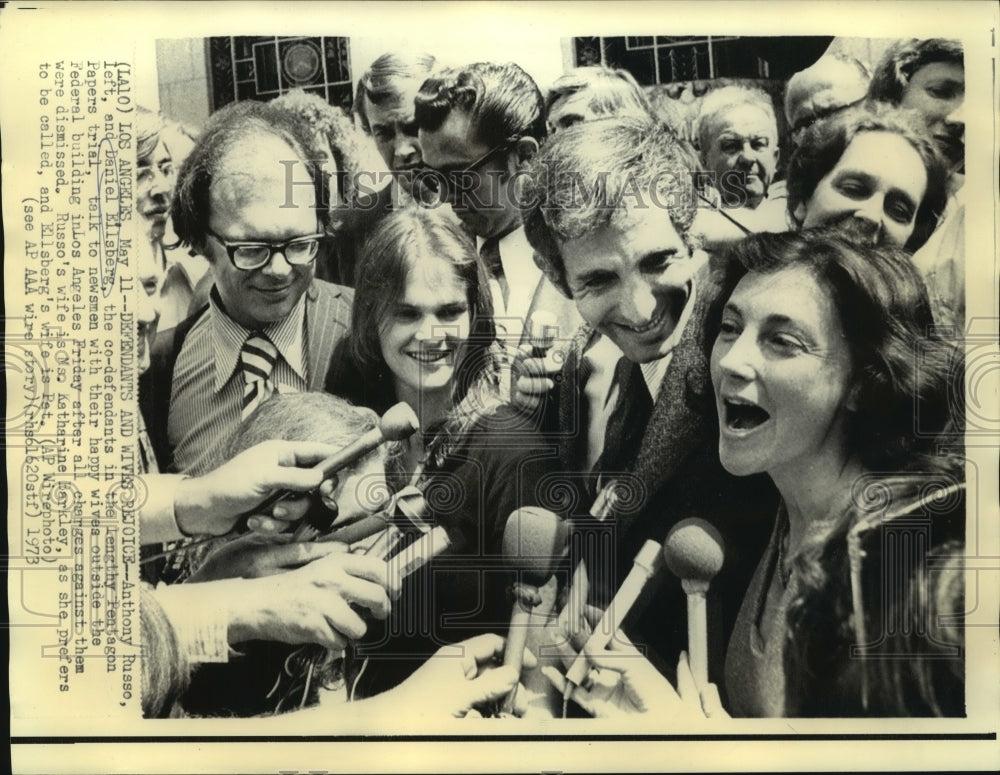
311, 604
453, 682
172, 506
154, 501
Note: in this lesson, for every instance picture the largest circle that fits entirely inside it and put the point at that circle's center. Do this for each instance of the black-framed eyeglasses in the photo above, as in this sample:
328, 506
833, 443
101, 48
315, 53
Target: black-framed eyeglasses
440, 180
248, 256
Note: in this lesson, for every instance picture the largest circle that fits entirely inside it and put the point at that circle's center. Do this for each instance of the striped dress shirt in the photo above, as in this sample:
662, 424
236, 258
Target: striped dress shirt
206, 397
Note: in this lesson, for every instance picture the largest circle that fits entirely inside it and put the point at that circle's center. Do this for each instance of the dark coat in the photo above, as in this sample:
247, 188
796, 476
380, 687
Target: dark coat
676, 475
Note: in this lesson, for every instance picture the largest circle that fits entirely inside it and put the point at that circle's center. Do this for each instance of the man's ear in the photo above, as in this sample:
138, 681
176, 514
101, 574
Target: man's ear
526, 149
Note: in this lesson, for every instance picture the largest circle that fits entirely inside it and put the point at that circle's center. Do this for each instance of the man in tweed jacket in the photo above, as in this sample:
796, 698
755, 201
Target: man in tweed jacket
611, 205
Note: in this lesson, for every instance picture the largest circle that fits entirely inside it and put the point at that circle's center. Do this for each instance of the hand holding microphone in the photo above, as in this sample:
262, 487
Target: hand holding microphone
252, 484
645, 566
694, 553
534, 540
399, 422
534, 371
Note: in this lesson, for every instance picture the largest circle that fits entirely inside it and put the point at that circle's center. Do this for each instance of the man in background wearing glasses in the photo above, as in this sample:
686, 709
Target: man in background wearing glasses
251, 201
479, 128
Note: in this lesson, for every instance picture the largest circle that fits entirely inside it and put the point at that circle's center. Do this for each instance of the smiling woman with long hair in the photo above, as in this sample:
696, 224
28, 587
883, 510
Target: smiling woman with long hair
422, 326
422, 332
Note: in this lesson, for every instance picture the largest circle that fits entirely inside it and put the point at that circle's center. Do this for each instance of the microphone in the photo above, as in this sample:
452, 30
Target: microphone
601, 509
534, 539
399, 422
417, 554
542, 332
694, 553
644, 567
408, 503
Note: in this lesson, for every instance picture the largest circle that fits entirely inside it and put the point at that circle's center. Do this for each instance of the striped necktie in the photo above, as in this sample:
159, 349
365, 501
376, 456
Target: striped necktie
257, 359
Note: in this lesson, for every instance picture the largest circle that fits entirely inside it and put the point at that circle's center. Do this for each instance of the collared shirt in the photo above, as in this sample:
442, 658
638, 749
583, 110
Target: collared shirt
517, 258
941, 261
207, 393
183, 272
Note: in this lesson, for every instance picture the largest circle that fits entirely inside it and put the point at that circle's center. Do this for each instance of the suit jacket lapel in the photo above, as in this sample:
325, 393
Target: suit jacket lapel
573, 417
325, 329
675, 425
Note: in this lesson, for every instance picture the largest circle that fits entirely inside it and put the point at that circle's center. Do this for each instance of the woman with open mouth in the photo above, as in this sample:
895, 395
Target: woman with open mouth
829, 378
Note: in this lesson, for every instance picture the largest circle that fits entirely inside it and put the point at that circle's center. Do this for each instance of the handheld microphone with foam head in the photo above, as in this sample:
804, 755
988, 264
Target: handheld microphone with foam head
398, 423
534, 540
646, 564
693, 551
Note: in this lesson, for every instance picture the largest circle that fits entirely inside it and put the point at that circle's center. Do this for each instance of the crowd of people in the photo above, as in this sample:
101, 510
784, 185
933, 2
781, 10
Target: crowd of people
597, 313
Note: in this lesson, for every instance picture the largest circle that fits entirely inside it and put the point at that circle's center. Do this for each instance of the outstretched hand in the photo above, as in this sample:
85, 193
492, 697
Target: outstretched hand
318, 602
456, 681
623, 681
212, 504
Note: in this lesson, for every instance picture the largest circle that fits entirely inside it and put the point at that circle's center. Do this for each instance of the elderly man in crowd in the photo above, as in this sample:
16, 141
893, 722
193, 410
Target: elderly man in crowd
269, 325
737, 135
626, 262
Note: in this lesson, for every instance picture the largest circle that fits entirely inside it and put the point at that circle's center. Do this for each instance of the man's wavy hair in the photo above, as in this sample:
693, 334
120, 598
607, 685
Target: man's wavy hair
502, 100
327, 122
906, 57
589, 176
822, 145
902, 369
226, 129
149, 126
611, 92
380, 82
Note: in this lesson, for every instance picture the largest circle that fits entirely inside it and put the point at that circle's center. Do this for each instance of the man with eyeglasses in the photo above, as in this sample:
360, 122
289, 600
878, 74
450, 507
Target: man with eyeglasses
479, 128
249, 199
156, 171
